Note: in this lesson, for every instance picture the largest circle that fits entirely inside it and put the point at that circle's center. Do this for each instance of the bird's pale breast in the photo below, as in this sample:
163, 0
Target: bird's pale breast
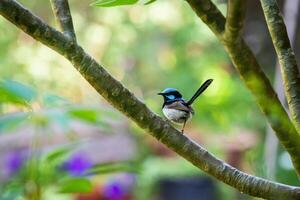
177, 116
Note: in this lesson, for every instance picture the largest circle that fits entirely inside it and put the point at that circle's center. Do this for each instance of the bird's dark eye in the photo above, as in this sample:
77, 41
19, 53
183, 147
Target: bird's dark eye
176, 94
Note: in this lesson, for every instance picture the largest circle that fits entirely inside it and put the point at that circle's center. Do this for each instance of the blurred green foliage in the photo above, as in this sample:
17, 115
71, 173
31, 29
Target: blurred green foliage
108, 3
75, 185
12, 91
34, 173
147, 52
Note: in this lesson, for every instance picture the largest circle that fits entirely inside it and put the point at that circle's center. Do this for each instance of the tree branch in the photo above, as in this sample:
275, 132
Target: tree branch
254, 78
122, 99
210, 15
63, 17
236, 10
289, 70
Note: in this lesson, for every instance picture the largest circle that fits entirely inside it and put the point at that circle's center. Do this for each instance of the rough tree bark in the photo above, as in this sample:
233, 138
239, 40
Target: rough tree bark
122, 99
63, 17
291, 12
251, 73
289, 70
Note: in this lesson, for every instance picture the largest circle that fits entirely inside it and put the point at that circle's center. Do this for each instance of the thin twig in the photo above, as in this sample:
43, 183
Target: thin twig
122, 99
63, 17
254, 78
289, 70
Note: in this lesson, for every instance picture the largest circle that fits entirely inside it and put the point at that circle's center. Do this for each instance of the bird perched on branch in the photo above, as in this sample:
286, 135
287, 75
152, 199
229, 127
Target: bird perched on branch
175, 108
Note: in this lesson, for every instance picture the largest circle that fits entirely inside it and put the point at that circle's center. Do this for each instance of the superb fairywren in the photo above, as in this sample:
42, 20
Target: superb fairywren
175, 108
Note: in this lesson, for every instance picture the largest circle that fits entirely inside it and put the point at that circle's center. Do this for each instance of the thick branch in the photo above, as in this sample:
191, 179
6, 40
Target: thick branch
121, 98
254, 78
63, 17
286, 57
236, 10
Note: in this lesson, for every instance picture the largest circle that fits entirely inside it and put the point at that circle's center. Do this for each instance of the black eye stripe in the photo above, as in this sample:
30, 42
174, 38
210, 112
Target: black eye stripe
176, 94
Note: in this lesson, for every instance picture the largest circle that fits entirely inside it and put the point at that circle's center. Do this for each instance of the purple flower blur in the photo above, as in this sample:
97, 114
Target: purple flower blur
14, 161
114, 191
77, 164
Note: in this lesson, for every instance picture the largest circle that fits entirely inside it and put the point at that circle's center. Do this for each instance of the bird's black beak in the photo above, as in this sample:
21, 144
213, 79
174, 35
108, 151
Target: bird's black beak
160, 93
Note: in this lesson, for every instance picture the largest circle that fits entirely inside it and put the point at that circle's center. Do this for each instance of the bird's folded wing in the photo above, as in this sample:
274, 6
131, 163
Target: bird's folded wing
178, 105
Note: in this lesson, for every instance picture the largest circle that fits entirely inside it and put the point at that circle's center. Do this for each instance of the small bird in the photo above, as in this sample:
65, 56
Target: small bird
175, 108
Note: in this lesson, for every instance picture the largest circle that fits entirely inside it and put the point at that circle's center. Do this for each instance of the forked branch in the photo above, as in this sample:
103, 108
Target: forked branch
254, 78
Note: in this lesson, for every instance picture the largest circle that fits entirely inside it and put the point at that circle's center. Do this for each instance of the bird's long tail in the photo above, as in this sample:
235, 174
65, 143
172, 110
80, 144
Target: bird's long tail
199, 91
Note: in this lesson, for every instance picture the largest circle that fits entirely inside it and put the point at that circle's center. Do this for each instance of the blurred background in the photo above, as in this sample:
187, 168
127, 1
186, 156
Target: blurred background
60, 140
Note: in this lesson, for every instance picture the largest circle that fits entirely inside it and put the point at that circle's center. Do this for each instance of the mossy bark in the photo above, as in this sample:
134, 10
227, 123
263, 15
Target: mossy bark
252, 75
236, 10
122, 99
289, 69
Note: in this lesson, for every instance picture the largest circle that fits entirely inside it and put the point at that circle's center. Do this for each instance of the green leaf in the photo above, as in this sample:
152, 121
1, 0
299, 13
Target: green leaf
110, 3
16, 92
59, 117
40, 119
84, 114
58, 154
75, 185
149, 2
12, 120
113, 167
52, 100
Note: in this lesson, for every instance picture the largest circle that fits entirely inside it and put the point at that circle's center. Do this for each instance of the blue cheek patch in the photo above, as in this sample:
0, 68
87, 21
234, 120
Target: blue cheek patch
170, 97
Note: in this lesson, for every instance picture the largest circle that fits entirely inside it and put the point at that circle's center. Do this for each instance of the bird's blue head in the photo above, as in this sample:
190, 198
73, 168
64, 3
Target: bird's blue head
171, 95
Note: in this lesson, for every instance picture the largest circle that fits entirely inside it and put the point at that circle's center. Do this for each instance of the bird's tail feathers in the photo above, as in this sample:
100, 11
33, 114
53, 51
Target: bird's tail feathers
199, 91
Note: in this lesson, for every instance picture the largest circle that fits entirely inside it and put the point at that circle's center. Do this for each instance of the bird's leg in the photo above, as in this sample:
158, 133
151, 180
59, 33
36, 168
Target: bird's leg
183, 126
